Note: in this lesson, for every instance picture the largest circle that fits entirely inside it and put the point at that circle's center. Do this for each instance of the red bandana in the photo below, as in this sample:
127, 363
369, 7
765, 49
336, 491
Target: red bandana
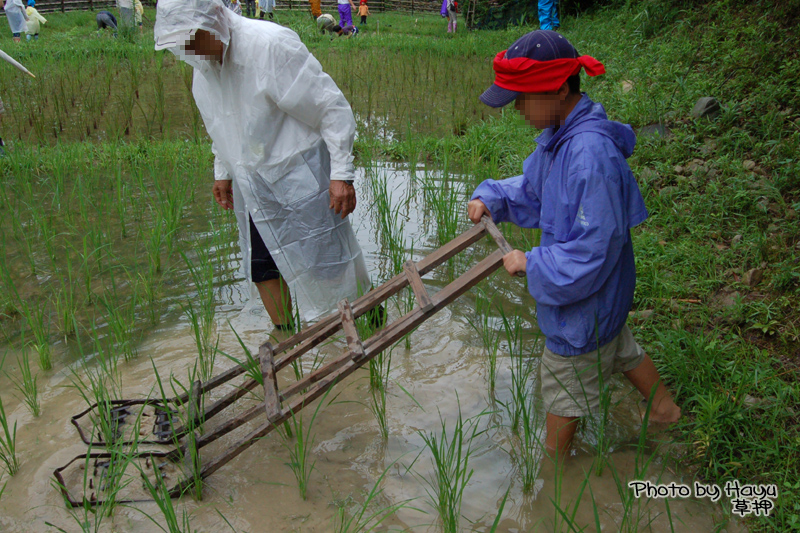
525, 75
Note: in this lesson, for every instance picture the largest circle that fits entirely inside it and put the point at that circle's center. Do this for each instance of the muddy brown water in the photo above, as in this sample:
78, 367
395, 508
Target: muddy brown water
444, 370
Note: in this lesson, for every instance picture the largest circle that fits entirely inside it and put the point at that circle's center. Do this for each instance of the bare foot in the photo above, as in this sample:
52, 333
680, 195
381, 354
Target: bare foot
664, 414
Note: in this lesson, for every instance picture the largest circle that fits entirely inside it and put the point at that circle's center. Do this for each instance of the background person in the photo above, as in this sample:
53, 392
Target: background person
34, 21
326, 22
265, 6
138, 12
347, 31
233, 5
548, 15
17, 18
452, 10
105, 19
346, 8
250, 8
282, 135
126, 17
363, 11
316, 8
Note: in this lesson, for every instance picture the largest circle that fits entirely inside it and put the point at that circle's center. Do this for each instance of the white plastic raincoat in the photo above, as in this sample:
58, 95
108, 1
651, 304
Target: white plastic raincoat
34, 20
16, 15
281, 130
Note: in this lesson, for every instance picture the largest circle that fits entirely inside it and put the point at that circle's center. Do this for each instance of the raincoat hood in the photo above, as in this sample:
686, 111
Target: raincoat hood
177, 20
589, 116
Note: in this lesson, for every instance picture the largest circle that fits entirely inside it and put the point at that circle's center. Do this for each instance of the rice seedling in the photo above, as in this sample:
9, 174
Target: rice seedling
362, 519
520, 368
565, 511
202, 320
300, 461
8, 443
599, 423
445, 199
450, 456
174, 522
38, 320
484, 325
121, 317
529, 446
188, 420
26, 385
66, 302
499, 515
251, 364
377, 403
100, 386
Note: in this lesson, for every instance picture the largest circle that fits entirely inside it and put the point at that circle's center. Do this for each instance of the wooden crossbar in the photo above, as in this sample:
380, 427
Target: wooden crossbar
414, 279
271, 402
350, 331
280, 405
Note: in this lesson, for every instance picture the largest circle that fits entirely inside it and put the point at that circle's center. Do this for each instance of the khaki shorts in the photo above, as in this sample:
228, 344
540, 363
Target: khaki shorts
571, 385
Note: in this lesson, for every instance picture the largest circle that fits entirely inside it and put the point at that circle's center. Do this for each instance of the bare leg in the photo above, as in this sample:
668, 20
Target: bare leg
644, 377
277, 300
560, 430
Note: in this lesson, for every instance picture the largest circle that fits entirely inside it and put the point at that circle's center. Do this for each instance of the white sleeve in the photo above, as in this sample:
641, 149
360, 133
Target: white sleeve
295, 81
220, 172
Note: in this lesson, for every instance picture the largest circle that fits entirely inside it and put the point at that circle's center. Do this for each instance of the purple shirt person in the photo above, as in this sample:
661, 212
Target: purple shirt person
345, 12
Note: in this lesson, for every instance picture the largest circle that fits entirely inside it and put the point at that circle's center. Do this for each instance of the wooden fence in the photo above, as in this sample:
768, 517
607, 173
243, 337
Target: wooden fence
412, 6
408, 6
50, 6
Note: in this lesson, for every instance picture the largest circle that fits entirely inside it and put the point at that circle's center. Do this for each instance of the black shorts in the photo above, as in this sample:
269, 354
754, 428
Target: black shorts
262, 266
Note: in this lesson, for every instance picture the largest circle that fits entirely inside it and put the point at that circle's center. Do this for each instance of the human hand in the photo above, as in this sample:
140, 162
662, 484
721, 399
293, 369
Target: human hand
343, 197
476, 209
223, 193
515, 261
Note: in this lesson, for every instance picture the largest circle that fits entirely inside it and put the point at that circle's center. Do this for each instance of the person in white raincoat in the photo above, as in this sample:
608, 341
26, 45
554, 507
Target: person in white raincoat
282, 135
17, 18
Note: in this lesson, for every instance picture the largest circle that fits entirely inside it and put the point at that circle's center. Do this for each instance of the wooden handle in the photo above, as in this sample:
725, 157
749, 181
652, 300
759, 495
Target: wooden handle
501, 241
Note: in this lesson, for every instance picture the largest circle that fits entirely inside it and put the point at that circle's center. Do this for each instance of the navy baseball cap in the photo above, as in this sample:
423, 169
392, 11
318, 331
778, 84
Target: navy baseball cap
539, 45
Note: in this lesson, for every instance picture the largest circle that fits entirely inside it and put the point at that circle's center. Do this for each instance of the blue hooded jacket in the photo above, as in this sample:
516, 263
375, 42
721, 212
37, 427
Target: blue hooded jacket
578, 188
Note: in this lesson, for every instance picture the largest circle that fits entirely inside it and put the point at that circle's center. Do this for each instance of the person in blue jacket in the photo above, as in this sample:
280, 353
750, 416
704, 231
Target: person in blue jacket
578, 188
548, 15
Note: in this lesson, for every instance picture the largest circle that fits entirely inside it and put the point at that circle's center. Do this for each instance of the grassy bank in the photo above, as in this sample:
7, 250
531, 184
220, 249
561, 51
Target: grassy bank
98, 191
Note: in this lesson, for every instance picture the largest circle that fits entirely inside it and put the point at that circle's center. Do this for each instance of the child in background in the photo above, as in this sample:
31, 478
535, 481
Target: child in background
363, 11
34, 20
138, 11
578, 188
347, 31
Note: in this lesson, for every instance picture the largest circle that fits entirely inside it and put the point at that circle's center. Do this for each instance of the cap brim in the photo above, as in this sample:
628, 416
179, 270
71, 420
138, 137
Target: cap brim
174, 39
496, 96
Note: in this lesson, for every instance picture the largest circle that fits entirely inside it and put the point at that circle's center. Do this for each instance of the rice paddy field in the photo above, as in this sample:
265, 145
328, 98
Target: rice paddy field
120, 279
